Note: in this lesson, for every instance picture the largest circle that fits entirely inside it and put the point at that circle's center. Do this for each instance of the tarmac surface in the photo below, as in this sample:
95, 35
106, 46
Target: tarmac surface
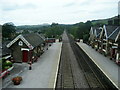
44, 71
108, 67
18, 69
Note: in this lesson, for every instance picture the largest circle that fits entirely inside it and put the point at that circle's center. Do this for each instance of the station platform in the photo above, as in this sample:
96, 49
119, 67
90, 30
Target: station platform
44, 71
108, 67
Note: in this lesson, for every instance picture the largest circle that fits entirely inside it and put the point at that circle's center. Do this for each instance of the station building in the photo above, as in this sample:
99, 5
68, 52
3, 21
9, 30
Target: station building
26, 47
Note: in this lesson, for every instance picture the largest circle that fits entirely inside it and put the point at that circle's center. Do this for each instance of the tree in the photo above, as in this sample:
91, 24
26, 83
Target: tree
55, 30
81, 30
85, 37
25, 32
8, 30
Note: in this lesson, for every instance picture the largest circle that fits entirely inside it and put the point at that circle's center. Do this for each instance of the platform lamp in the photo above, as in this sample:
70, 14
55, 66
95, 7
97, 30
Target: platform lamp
30, 63
47, 43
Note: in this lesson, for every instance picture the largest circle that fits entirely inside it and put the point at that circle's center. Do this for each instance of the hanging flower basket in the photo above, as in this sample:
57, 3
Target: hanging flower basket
17, 80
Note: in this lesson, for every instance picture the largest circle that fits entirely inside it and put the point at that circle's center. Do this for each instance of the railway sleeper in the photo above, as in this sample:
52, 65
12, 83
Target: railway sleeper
92, 81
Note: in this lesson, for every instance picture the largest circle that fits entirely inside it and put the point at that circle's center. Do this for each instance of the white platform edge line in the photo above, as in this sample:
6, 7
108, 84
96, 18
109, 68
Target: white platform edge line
99, 67
57, 68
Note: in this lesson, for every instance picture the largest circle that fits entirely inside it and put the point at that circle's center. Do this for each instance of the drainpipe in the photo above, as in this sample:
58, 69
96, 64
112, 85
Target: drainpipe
106, 53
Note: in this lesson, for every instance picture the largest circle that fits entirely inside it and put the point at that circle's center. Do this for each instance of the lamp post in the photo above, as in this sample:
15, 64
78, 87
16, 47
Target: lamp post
47, 43
30, 64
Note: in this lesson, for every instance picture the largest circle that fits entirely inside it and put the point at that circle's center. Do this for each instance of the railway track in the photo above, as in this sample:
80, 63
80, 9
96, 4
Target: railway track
71, 79
68, 81
91, 77
65, 70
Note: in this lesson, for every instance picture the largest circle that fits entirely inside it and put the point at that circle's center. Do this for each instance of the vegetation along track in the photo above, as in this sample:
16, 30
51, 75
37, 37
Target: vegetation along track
93, 75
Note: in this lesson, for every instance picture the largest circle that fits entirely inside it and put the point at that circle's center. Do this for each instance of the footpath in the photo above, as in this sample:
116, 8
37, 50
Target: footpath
108, 67
44, 71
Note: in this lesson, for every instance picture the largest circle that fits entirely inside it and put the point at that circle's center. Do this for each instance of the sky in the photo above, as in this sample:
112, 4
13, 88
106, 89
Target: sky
32, 12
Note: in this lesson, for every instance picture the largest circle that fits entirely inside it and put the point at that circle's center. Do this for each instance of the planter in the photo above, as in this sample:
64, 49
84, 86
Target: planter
17, 80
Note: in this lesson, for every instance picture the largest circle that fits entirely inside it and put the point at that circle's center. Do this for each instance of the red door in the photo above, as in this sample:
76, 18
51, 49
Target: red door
25, 56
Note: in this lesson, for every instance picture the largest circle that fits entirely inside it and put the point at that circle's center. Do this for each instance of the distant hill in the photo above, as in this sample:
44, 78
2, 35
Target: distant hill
30, 27
103, 21
38, 27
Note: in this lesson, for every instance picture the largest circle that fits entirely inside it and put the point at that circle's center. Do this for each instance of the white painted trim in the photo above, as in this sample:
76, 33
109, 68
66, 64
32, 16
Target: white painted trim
95, 32
110, 42
101, 33
23, 39
115, 44
104, 40
104, 50
57, 68
10, 68
26, 49
6, 57
117, 57
99, 41
27, 43
98, 34
3, 73
100, 28
13, 41
117, 36
91, 30
113, 32
104, 27
104, 43
114, 47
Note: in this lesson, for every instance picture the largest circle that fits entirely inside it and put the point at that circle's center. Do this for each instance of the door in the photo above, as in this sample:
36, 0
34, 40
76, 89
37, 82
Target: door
25, 56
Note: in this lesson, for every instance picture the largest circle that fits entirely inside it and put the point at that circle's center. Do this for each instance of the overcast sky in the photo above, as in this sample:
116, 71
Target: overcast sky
29, 12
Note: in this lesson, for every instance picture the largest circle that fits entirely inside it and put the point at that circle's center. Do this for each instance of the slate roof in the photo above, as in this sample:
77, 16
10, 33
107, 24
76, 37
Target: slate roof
114, 34
33, 38
110, 29
42, 36
5, 50
97, 30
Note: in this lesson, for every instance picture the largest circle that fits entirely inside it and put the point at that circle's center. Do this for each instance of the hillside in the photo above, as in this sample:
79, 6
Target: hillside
31, 27
103, 21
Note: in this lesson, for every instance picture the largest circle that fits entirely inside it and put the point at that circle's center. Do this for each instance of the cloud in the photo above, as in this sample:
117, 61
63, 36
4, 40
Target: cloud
16, 7
60, 11
69, 4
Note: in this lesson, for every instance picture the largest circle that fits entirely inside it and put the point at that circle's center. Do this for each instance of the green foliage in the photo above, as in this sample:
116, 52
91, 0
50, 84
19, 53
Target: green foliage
85, 37
6, 67
81, 30
8, 30
6, 64
25, 32
55, 30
